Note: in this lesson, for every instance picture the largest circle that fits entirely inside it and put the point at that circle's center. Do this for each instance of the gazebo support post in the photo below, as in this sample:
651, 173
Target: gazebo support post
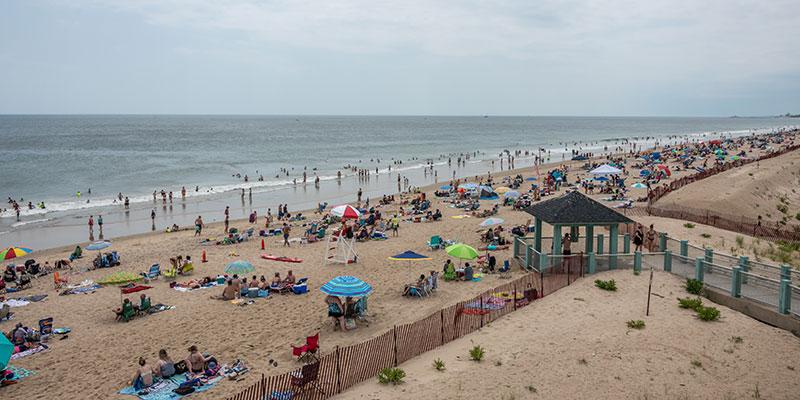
556, 241
589, 239
612, 246
537, 235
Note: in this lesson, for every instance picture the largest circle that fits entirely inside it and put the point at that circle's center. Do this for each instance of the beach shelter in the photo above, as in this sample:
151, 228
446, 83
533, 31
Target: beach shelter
638, 185
574, 210
6, 349
346, 286
239, 267
409, 256
492, 221
512, 194
119, 278
605, 169
462, 251
14, 252
502, 190
346, 211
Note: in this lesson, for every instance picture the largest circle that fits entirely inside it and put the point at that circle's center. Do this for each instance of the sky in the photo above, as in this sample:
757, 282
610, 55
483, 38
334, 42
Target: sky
407, 57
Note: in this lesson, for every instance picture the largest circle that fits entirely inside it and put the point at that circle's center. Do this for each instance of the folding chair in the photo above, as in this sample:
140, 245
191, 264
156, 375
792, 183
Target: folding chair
307, 376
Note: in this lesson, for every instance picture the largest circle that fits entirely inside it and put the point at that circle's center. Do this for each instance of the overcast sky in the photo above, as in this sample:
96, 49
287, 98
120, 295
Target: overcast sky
528, 57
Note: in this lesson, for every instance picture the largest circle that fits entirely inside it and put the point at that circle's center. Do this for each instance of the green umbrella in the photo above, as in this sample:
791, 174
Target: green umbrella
462, 251
239, 267
6, 348
119, 278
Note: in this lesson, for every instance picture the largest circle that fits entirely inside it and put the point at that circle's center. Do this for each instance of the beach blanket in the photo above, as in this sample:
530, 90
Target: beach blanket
15, 303
163, 390
23, 354
18, 375
159, 308
82, 289
34, 298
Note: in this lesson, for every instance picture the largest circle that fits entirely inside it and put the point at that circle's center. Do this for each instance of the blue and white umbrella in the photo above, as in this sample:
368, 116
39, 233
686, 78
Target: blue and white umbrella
492, 221
513, 194
638, 185
99, 245
239, 267
346, 286
468, 186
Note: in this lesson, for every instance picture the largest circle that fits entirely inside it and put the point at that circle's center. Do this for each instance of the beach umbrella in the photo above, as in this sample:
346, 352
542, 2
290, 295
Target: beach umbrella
502, 189
468, 186
462, 251
119, 278
445, 187
14, 252
99, 245
409, 256
532, 178
492, 221
346, 286
486, 193
638, 185
6, 348
605, 169
239, 267
345, 212
512, 194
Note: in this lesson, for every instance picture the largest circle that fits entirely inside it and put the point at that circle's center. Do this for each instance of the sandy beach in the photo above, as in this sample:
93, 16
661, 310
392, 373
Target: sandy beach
107, 351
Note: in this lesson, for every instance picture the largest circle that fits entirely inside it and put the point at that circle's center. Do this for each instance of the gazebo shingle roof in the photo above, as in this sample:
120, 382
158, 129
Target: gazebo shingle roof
575, 208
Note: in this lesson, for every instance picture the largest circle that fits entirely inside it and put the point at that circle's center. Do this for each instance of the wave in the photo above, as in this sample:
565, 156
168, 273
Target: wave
33, 221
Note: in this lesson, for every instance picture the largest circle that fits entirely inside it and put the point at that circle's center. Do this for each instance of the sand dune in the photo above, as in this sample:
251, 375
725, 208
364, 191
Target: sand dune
575, 344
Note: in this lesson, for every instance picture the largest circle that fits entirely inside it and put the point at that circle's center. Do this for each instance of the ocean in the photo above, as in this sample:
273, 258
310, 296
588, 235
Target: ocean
51, 158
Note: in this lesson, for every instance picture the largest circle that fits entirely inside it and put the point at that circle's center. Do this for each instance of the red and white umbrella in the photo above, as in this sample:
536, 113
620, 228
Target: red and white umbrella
345, 212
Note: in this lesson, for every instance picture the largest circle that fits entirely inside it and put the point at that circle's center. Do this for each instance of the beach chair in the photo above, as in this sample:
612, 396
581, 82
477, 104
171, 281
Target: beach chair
436, 242
360, 308
58, 281
127, 313
153, 273
170, 273
144, 307
307, 352
46, 326
306, 377
187, 268
5, 312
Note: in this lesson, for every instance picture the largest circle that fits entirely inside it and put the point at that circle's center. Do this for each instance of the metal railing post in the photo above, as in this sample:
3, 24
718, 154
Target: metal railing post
744, 264
626, 243
785, 297
592, 263
698, 269
684, 248
667, 261
637, 262
662, 241
736, 282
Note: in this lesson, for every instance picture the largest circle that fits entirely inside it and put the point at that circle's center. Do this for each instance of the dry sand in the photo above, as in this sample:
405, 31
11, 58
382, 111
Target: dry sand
575, 344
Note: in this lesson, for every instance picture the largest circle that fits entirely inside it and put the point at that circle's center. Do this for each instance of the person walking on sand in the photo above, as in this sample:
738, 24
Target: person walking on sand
227, 215
198, 226
286, 230
651, 238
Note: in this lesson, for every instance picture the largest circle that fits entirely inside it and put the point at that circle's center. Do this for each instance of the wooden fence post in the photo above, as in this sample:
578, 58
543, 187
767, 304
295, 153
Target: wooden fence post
395, 345
338, 373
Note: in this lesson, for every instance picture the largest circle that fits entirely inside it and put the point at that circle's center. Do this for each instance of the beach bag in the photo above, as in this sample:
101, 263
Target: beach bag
180, 367
350, 323
184, 390
300, 289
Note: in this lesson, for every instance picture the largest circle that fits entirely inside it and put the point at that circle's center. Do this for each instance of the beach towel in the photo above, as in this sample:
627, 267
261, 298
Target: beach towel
163, 390
188, 289
23, 354
14, 303
134, 289
34, 298
18, 374
159, 308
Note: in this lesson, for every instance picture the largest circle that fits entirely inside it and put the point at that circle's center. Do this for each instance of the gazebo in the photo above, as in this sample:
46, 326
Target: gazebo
574, 210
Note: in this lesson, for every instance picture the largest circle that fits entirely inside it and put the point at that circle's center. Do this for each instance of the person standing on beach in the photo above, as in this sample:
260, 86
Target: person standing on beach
638, 238
286, 230
359, 195
650, 238
100, 223
198, 226
183, 192
127, 203
91, 224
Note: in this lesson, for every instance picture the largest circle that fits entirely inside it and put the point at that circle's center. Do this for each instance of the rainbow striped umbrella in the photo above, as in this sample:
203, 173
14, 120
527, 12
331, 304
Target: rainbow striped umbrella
14, 252
346, 286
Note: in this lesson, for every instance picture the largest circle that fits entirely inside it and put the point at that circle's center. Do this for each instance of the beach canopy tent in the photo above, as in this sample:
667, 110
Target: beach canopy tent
487, 193
409, 256
638, 185
605, 169
6, 349
346, 286
574, 210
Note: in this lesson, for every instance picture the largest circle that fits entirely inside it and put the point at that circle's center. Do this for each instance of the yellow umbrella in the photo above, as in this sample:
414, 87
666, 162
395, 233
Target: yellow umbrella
502, 189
